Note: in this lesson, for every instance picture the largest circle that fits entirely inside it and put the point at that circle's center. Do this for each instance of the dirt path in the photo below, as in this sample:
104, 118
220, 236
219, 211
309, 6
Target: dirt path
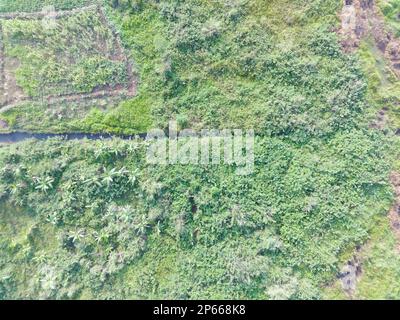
394, 214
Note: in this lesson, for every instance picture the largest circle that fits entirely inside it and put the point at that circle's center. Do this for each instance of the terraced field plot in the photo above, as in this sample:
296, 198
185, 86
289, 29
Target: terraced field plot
69, 56
37, 5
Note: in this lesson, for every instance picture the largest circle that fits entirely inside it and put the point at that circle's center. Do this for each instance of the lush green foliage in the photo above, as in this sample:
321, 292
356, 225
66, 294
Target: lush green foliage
94, 220
76, 56
97, 115
390, 9
38, 5
276, 68
129, 117
275, 233
380, 278
222, 65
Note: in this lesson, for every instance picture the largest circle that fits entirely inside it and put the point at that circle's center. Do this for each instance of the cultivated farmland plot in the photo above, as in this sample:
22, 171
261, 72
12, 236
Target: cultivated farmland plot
37, 5
53, 57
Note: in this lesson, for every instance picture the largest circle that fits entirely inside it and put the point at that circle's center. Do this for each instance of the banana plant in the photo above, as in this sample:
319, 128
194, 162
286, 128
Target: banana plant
77, 235
44, 184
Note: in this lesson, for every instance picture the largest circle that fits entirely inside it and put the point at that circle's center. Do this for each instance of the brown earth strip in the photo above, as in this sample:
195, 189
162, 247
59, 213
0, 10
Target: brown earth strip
394, 214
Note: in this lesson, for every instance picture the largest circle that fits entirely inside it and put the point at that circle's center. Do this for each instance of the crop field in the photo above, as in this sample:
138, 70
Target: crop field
37, 5
73, 56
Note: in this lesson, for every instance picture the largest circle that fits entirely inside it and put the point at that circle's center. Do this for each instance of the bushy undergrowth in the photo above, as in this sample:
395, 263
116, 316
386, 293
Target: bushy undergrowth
75, 56
225, 64
94, 220
275, 233
274, 67
38, 5
390, 9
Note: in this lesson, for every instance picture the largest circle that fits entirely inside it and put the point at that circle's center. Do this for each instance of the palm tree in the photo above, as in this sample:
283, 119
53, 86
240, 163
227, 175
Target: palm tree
109, 177
44, 184
141, 225
93, 181
132, 178
77, 235
123, 171
238, 217
40, 257
101, 237
158, 228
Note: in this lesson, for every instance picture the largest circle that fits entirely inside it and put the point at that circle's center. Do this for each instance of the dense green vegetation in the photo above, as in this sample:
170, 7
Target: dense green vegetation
38, 5
292, 80
99, 115
390, 8
275, 233
94, 220
74, 57
217, 66
381, 267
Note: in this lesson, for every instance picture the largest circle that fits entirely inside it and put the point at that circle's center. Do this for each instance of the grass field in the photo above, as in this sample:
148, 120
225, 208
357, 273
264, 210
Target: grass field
94, 220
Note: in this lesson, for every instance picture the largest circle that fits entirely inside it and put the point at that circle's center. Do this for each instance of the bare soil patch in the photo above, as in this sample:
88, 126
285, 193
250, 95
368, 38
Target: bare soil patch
362, 19
12, 92
350, 274
3, 124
